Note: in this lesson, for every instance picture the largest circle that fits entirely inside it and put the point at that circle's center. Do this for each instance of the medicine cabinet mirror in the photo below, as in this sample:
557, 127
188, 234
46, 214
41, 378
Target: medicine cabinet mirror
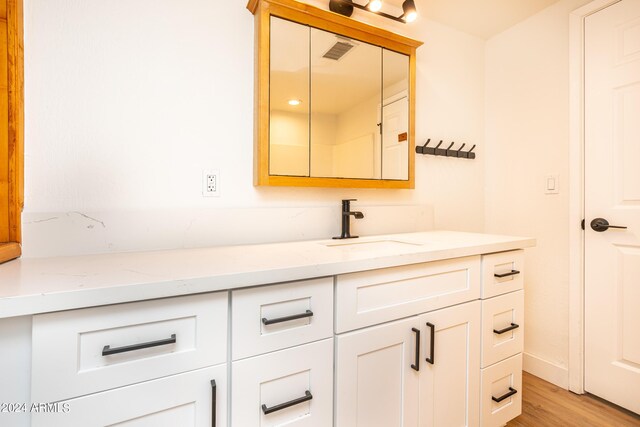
335, 100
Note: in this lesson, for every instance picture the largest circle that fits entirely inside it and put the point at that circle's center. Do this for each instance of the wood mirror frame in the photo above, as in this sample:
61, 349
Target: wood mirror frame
312, 16
11, 128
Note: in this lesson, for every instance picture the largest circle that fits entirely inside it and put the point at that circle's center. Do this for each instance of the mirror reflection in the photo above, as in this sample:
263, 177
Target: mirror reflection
338, 106
289, 99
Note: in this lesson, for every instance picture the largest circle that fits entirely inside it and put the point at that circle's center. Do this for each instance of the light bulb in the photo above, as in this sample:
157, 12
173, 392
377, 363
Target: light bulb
374, 5
409, 9
411, 16
294, 102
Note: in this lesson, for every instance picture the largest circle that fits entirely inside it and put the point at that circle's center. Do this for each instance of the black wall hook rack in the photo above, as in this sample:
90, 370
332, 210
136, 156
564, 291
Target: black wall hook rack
446, 152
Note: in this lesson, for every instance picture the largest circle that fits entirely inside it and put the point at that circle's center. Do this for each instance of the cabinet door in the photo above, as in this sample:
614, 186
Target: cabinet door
292, 387
192, 399
449, 378
375, 383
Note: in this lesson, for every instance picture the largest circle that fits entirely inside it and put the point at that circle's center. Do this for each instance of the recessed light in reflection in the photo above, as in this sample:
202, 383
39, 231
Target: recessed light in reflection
294, 102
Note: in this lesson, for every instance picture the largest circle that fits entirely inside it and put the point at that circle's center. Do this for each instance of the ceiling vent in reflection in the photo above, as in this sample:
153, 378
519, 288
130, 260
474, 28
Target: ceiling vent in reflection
339, 49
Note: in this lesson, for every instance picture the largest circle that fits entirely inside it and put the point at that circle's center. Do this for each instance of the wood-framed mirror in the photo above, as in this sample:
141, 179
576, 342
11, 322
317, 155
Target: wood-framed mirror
335, 100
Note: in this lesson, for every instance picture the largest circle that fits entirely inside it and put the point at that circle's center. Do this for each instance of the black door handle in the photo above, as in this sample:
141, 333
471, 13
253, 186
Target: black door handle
307, 396
107, 350
601, 224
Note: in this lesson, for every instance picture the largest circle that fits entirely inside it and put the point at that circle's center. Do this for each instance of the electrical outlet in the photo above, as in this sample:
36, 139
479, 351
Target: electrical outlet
211, 183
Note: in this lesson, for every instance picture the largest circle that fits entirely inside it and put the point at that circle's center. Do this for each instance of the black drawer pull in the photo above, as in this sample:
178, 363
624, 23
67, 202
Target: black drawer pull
510, 393
107, 350
213, 403
507, 329
307, 396
416, 366
432, 352
307, 313
511, 273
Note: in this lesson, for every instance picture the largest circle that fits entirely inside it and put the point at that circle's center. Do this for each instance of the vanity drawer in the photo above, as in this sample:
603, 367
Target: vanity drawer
502, 272
180, 400
502, 327
376, 296
497, 381
298, 380
89, 350
274, 317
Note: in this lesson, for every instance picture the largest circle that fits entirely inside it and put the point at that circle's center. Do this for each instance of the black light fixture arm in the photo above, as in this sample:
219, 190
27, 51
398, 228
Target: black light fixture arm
345, 7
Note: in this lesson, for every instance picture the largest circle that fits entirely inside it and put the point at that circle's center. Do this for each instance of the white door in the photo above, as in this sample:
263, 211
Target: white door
612, 192
450, 379
376, 385
395, 152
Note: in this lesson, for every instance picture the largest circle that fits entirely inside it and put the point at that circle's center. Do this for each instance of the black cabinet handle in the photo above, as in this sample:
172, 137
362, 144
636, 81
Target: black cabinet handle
107, 350
511, 273
510, 393
213, 403
431, 358
507, 329
307, 313
307, 396
416, 366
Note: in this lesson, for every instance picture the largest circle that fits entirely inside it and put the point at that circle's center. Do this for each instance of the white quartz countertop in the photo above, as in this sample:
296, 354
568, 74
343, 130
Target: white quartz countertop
39, 285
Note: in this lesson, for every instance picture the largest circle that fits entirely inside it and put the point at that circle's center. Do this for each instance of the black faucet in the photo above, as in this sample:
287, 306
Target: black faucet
346, 217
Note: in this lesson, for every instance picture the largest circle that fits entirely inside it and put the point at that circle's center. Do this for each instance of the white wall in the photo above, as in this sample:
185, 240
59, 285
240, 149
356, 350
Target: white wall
527, 137
127, 102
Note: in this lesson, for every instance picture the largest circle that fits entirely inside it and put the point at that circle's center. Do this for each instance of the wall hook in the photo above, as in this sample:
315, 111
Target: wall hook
448, 152
421, 150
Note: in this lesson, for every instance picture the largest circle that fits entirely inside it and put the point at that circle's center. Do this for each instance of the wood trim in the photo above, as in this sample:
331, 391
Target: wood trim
295, 181
9, 251
310, 15
15, 58
12, 125
253, 5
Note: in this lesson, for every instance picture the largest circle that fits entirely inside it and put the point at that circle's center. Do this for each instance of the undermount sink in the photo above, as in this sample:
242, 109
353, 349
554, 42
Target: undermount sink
370, 244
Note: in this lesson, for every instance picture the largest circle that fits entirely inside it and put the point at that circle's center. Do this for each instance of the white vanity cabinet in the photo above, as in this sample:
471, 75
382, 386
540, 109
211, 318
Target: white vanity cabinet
436, 366
282, 347
502, 337
420, 371
414, 335
146, 363
192, 399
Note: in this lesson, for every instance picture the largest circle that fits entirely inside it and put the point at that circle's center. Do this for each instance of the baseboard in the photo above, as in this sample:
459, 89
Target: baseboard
546, 370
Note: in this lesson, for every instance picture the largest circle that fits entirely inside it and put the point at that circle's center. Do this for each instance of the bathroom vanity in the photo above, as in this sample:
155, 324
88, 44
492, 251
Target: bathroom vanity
418, 329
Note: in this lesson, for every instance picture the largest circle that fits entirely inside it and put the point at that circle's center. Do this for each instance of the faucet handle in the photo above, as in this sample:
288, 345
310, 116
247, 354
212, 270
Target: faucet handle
349, 200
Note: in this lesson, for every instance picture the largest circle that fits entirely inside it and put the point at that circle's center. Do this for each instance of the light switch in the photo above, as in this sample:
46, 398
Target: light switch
552, 184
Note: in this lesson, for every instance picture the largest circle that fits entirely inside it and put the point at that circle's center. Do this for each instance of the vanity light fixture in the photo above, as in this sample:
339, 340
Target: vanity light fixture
294, 102
345, 7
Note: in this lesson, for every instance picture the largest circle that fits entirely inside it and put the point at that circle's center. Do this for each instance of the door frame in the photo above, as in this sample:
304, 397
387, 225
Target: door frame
577, 190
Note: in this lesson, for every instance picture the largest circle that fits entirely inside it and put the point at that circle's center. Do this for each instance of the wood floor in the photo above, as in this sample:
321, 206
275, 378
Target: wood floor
544, 404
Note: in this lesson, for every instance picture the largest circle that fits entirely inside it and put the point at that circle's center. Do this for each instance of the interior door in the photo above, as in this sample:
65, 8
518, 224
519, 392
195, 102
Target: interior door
612, 194
395, 155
